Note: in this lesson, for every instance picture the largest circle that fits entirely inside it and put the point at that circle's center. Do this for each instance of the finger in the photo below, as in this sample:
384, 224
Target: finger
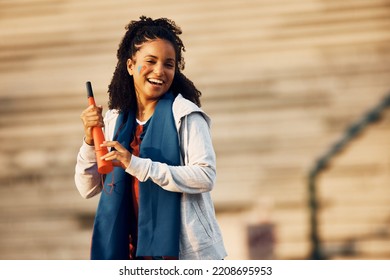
117, 159
91, 122
92, 114
93, 109
114, 144
92, 119
94, 124
109, 156
88, 109
112, 156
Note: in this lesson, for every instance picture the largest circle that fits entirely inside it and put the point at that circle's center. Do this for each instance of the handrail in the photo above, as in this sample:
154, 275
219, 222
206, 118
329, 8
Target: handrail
351, 132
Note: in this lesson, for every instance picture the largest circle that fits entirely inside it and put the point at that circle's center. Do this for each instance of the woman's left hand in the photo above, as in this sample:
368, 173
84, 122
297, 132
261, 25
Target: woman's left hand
119, 156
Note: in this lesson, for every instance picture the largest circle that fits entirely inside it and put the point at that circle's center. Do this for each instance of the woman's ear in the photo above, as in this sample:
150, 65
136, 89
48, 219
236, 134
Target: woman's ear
130, 66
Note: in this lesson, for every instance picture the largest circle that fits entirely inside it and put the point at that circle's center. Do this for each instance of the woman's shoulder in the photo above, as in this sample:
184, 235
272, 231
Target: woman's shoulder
183, 107
112, 113
111, 116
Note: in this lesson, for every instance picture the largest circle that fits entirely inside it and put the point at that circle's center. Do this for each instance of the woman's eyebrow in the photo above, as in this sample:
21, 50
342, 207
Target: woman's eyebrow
155, 57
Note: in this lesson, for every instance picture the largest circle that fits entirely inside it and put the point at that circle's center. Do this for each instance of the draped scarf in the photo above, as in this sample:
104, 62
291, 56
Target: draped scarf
159, 210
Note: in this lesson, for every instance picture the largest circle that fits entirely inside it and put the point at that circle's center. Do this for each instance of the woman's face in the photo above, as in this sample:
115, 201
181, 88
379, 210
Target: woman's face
153, 69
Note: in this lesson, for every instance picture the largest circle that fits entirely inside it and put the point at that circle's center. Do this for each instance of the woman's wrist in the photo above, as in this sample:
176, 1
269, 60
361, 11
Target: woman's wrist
88, 141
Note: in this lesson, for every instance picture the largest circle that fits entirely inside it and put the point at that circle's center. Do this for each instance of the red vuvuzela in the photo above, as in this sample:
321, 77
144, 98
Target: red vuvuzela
104, 166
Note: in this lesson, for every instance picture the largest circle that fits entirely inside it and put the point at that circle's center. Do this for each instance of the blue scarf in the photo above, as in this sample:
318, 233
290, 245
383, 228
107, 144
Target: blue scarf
159, 210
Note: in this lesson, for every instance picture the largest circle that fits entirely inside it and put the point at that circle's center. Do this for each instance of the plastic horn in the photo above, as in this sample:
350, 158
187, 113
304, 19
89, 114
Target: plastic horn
104, 166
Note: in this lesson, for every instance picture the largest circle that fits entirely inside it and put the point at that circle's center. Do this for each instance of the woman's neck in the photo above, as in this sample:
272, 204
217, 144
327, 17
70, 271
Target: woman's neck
145, 109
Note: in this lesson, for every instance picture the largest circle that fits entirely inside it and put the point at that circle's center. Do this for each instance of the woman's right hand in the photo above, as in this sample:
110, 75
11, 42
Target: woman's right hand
92, 116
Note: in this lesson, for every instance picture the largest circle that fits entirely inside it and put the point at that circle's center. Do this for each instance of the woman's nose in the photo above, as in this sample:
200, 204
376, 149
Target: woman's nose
158, 69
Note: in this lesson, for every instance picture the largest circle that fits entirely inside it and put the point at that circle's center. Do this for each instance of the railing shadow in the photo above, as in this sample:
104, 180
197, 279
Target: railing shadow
372, 116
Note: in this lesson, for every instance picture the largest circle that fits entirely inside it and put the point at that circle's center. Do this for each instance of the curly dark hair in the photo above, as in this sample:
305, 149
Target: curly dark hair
121, 90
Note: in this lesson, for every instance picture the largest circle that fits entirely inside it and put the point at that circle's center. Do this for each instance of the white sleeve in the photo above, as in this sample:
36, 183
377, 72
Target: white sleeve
87, 179
199, 172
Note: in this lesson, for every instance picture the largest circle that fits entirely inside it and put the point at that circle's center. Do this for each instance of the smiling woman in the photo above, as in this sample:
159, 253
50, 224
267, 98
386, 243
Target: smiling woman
156, 203
155, 61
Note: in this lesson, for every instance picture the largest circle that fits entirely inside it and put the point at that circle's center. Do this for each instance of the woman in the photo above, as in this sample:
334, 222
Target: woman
156, 204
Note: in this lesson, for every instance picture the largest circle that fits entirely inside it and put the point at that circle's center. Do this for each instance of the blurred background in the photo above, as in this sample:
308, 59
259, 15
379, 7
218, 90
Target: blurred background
298, 92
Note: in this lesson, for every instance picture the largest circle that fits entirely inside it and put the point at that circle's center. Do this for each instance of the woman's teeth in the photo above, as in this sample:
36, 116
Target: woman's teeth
155, 81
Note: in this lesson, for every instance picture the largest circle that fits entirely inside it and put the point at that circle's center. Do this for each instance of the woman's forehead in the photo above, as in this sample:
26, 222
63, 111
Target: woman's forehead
156, 47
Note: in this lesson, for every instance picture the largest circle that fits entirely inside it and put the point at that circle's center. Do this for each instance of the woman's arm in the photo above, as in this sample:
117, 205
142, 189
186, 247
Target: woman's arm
87, 178
199, 172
